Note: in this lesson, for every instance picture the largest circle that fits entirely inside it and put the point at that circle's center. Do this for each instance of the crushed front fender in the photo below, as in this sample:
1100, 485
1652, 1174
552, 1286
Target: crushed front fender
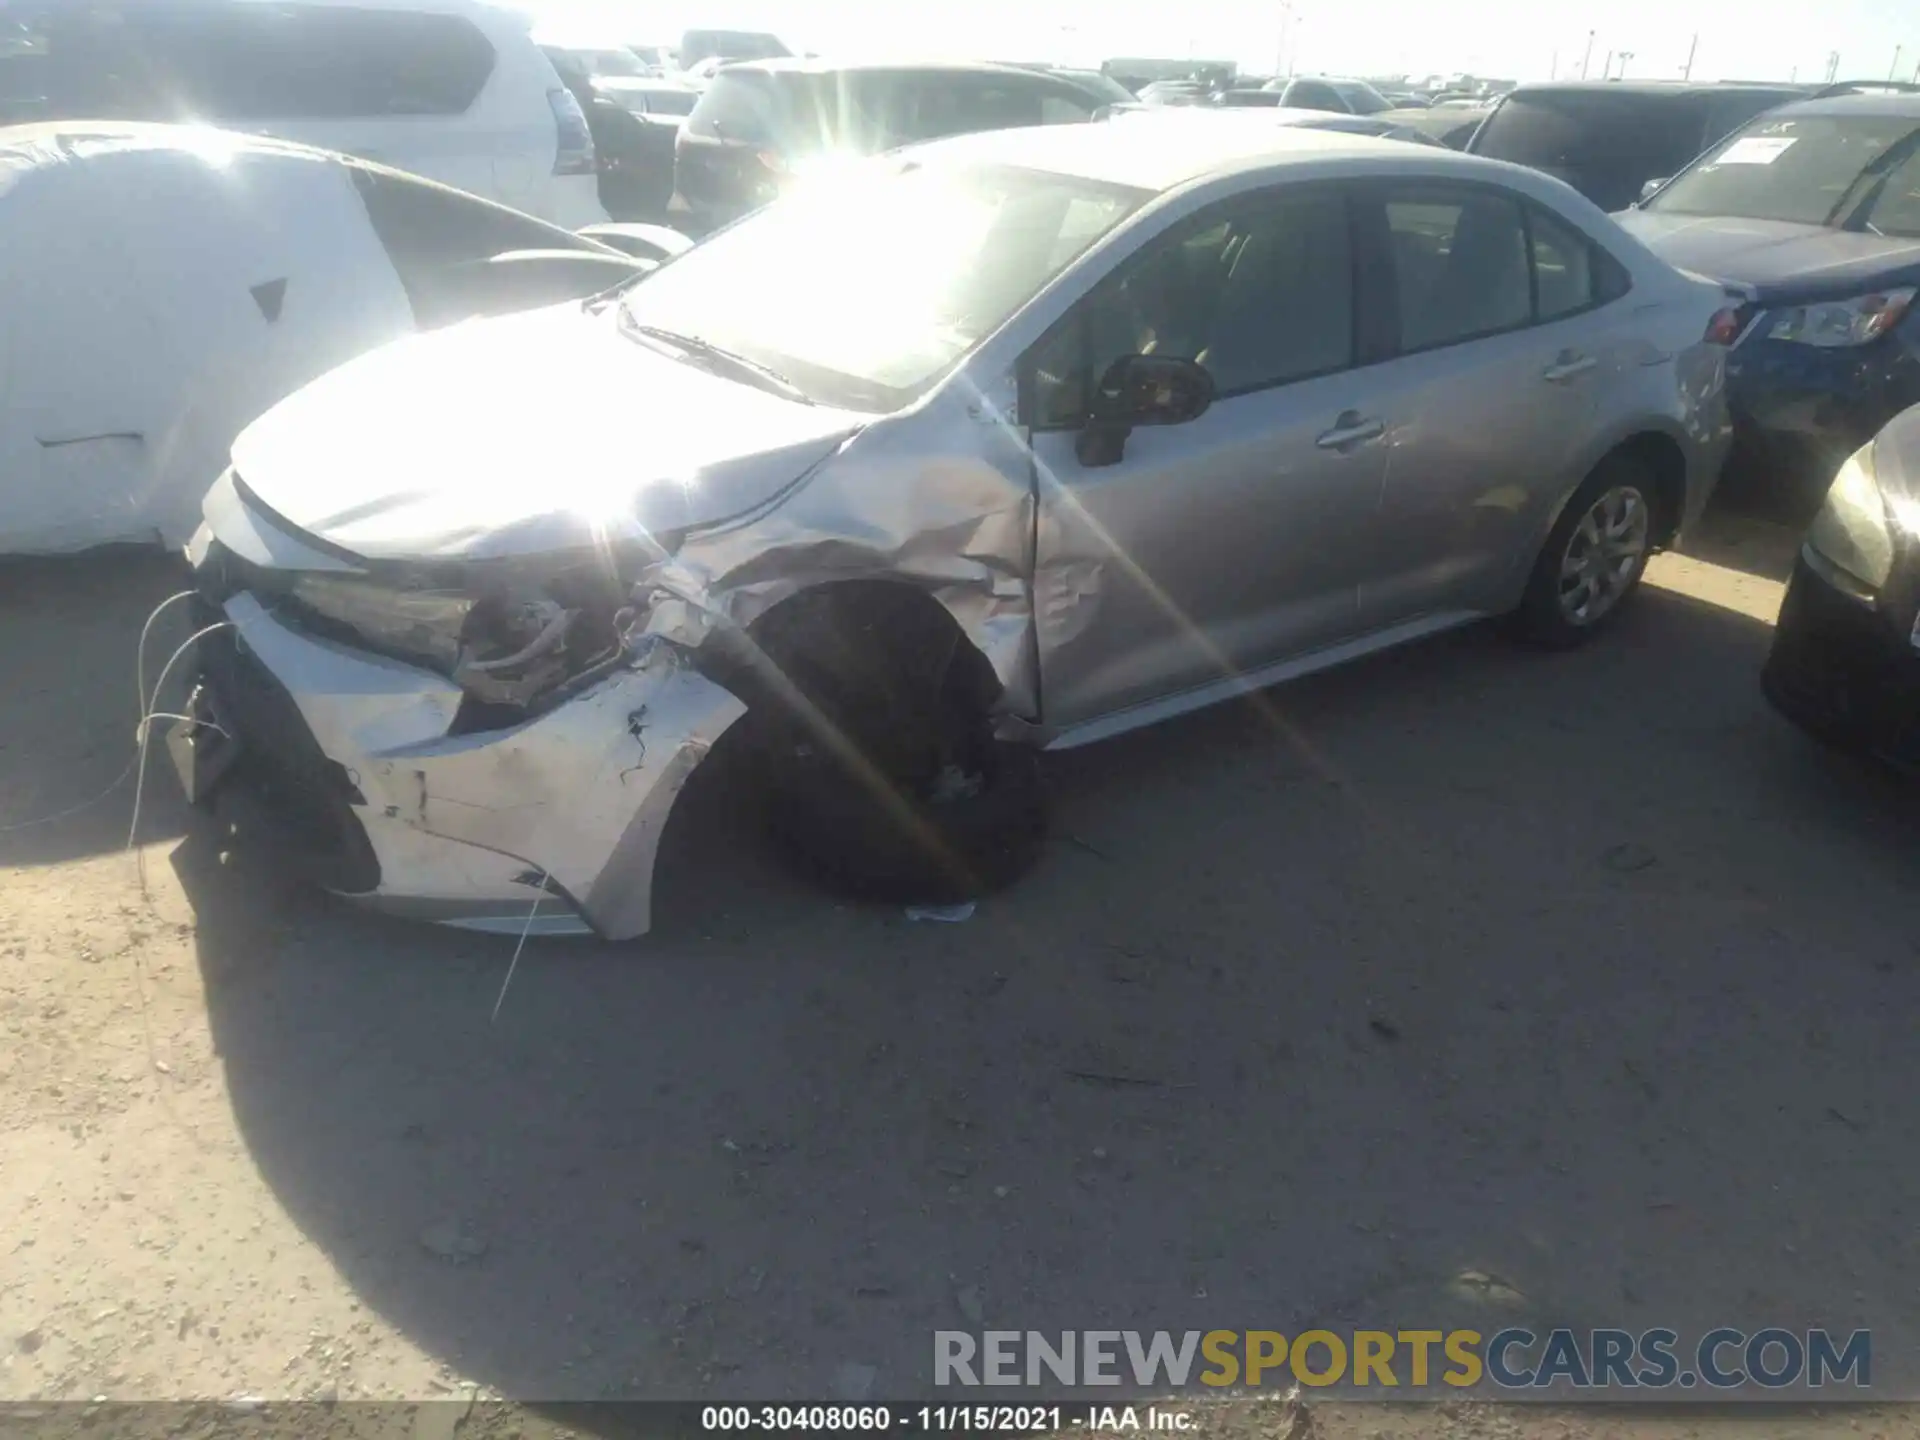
570, 804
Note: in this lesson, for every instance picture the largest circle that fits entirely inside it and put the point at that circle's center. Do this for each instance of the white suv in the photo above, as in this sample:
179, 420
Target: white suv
454, 90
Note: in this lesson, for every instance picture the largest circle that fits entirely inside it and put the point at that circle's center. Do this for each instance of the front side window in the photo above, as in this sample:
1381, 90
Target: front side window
865, 289
1259, 296
1806, 169
1460, 263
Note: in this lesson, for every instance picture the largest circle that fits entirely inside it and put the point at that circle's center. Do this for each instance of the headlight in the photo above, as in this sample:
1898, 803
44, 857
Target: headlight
1851, 530
426, 624
1837, 323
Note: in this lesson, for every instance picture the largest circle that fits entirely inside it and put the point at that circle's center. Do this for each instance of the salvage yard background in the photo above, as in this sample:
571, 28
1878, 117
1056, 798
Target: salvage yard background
1461, 986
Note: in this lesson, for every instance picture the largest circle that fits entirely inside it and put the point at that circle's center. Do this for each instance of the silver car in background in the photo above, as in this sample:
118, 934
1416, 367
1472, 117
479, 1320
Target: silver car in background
1010, 442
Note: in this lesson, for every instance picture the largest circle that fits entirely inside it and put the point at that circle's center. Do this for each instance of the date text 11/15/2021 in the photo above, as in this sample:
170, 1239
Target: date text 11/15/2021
948, 1419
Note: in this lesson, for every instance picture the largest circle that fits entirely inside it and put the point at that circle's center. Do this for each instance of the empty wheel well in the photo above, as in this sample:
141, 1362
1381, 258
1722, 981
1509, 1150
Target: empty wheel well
1664, 460
879, 661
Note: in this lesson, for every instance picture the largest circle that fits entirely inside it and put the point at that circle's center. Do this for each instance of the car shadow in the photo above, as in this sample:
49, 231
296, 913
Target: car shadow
1464, 984
70, 628
1747, 540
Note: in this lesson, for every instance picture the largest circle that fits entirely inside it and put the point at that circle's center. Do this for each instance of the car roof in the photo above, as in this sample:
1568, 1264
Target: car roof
1867, 103
1164, 154
798, 65
1645, 88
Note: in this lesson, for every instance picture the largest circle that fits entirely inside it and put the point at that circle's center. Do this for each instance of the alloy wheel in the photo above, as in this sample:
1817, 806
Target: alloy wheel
1604, 555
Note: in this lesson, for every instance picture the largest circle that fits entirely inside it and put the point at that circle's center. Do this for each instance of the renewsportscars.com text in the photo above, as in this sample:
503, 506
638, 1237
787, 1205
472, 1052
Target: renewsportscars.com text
1510, 1359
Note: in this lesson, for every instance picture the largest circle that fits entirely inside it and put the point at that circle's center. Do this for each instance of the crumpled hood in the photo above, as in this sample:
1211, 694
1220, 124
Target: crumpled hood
1778, 260
536, 432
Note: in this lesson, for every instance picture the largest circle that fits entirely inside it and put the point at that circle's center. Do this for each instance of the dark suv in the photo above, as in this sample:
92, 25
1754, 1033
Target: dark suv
1608, 138
759, 126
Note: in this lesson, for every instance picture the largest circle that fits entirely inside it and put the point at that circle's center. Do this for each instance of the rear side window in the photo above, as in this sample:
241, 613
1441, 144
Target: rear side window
224, 61
1460, 261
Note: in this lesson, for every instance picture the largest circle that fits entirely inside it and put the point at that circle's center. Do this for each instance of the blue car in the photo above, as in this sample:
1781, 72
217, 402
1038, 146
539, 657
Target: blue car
1811, 213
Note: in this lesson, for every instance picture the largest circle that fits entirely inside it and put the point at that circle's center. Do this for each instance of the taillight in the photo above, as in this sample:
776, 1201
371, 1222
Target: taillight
575, 155
774, 161
1725, 326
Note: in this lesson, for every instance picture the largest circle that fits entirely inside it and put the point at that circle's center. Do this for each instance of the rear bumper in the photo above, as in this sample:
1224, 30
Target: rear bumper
1845, 670
353, 761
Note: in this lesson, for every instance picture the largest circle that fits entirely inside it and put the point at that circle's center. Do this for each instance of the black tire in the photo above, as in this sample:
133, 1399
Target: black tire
873, 738
1543, 618
865, 837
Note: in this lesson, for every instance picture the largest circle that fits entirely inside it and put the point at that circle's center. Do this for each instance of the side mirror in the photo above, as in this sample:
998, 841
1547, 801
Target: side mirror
1646, 190
1141, 390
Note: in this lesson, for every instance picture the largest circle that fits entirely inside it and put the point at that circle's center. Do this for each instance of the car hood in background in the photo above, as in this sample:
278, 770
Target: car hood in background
537, 432
1775, 258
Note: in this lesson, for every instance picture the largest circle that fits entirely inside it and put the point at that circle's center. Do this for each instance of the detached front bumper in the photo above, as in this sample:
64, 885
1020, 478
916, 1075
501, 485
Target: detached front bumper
355, 760
1847, 669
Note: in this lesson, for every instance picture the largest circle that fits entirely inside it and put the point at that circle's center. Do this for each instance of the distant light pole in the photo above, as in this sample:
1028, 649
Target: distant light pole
1896, 62
1687, 72
1588, 56
1606, 67
1833, 65
1286, 26
1625, 55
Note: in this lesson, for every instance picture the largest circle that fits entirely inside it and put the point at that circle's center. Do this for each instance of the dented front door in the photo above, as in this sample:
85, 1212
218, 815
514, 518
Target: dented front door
1232, 542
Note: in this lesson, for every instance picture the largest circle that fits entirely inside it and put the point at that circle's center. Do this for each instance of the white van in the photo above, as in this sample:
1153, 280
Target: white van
454, 90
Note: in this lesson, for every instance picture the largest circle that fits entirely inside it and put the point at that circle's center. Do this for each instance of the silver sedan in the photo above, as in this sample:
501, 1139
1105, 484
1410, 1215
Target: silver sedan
1011, 442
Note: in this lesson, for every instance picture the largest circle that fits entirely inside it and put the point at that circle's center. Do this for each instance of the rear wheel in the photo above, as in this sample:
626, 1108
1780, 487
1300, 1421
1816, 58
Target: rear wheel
1594, 559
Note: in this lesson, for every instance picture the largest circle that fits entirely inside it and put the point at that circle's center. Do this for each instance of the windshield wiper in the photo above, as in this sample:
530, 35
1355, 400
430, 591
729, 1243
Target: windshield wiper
763, 375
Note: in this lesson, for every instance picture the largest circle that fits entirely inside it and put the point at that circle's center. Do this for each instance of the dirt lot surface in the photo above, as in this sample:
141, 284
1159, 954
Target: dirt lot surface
1462, 986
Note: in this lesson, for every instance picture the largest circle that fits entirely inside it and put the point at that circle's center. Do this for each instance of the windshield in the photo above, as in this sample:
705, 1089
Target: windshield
1810, 170
864, 290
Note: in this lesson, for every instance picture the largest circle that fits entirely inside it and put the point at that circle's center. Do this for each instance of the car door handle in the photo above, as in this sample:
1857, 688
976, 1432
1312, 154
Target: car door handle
1350, 429
1566, 367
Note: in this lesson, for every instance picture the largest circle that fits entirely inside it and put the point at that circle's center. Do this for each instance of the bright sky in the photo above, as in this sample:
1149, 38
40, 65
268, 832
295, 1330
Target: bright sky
1510, 39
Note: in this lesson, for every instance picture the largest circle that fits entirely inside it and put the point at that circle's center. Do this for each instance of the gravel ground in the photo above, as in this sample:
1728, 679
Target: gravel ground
1463, 985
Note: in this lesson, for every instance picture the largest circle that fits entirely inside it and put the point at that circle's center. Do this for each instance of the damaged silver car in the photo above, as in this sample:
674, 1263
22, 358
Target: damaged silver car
1012, 442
